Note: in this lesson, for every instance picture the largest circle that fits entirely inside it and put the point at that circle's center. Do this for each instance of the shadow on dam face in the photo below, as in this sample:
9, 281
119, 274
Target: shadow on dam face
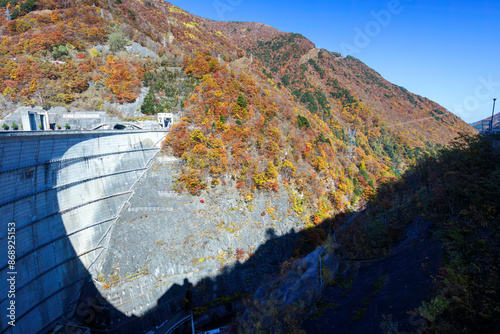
217, 297
61, 193
65, 192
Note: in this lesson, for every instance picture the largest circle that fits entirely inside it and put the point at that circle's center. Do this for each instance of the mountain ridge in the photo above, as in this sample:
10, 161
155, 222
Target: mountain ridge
257, 93
261, 114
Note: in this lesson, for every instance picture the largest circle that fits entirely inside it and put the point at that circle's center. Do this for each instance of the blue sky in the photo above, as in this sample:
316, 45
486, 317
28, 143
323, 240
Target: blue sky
447, 51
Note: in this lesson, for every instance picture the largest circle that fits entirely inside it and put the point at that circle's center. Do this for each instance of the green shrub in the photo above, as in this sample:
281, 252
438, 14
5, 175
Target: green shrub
117, 40
59, 50
149, 106
242, 102
432, 310
132, 14
302, 121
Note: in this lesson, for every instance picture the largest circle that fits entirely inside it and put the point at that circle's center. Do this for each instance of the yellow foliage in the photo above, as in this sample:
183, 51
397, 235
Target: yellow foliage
177, 10
32, 86
197, 136
94, 53
22, 26
320, 164
288, 168
272, 147
267, 179
271, 171
362, 165
298, 203
68, 98
260, 179
249, 196
56, 18
189, 35
345, 185
207, 79
221, 126
10, 92
216, 143
190, 25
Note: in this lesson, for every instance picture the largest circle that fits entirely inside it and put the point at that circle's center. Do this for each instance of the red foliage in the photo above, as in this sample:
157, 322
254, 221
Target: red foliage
240, 253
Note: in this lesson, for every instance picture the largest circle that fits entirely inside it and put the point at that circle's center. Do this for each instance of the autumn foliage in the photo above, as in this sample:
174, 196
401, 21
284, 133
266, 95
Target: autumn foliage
260, 109
122, 78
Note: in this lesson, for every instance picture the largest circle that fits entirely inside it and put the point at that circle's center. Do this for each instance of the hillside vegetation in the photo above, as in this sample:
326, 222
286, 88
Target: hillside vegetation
263, 110
259, 108
447, 201
457, 193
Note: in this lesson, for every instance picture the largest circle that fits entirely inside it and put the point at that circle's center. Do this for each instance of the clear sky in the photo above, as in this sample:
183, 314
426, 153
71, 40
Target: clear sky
447, 51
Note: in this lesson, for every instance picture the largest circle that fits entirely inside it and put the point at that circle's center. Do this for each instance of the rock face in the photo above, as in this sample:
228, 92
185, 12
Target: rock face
132, 109
163, 238
133, 48
298, 289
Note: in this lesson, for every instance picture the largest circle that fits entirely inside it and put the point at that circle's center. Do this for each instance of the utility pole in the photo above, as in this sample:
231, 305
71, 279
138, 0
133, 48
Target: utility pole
351, 150
492, 115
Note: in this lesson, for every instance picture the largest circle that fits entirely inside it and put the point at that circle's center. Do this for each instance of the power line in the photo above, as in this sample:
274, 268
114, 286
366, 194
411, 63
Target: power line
351, 148
446, 113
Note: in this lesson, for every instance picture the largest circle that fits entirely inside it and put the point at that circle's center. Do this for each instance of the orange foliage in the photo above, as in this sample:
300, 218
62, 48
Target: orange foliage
193, 182
200, 65
123, 78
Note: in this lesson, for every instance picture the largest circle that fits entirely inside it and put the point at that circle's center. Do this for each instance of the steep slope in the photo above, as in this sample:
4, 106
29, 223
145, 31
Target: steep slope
263, 106
262, 112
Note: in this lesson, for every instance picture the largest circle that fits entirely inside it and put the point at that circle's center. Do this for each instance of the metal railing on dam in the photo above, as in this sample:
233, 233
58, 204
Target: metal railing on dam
61, 193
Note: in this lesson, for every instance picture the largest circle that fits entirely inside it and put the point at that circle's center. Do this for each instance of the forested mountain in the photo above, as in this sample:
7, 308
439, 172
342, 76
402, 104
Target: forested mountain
264, 106
259, 110
484, 124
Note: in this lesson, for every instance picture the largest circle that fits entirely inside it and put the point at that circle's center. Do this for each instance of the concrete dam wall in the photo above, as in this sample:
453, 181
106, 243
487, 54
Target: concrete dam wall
63, 191
97, 217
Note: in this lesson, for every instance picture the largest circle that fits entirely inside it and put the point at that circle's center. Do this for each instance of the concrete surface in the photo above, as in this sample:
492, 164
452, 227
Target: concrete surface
63, 190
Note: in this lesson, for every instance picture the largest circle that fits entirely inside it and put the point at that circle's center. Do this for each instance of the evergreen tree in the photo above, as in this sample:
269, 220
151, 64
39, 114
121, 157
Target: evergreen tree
242, 102
148, 106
